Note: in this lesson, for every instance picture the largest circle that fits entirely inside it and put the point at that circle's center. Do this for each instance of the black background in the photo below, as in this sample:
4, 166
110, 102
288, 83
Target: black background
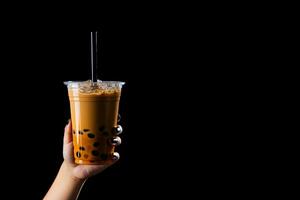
149, 55
189, 79
37, 58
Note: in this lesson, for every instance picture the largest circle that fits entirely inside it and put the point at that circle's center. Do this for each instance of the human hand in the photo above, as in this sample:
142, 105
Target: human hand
82, 171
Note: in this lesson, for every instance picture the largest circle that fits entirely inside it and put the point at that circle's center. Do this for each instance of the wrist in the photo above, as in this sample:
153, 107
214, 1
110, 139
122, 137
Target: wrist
69, 174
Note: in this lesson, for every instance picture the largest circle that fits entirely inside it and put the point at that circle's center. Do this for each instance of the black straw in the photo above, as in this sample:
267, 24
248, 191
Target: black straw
94, 53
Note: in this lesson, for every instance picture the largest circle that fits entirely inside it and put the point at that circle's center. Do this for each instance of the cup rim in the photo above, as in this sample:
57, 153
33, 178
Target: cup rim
75, 84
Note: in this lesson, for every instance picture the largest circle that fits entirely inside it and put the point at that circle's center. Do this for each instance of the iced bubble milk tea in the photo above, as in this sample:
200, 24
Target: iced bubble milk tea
94, 115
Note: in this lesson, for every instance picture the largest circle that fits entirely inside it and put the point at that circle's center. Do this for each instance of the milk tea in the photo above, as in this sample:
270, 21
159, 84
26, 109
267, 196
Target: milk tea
94, 115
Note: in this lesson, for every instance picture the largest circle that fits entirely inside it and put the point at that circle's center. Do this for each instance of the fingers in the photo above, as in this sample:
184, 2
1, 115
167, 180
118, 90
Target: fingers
68, 144
68, 150
116, 157
68, 153
85, 171
118, 130
68, 133
116, 141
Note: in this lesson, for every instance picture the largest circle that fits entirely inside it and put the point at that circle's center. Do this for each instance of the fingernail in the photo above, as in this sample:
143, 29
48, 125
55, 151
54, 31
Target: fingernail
117, 130
116, 141
116, 156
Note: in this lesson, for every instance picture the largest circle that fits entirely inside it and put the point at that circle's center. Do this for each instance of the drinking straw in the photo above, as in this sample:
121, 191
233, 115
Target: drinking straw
94, 55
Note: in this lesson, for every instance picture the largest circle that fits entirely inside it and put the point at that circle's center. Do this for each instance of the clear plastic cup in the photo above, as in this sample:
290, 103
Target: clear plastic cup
94, 115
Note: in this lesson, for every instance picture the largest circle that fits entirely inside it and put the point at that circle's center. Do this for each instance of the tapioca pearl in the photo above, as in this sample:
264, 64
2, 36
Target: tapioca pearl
78, 154
102, 128
80, 132
95, 153
103, 156
86, 130
85, 156
81, 148
91, 135
74, 132
96, 144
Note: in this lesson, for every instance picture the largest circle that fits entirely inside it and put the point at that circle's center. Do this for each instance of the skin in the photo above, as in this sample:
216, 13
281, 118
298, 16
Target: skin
71, 177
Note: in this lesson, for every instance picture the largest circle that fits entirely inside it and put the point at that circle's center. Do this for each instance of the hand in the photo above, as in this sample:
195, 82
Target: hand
82, 171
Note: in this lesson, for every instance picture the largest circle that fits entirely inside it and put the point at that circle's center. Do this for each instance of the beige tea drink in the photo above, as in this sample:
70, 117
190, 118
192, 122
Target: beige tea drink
94, 115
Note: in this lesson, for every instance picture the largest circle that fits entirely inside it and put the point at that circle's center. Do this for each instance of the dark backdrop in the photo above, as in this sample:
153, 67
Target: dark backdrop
36, 59
151, 56
186, 101
160, 103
